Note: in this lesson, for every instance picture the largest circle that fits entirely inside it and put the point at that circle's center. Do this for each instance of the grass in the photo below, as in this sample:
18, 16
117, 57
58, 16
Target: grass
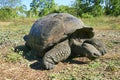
94, 71
11, 35
103, 22
13, 57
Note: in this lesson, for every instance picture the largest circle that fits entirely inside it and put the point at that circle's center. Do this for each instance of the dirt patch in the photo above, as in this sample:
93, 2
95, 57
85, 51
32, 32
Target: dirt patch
106, 68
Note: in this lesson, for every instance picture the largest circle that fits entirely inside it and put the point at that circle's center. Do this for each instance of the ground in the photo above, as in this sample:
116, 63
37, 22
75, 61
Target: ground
22, 65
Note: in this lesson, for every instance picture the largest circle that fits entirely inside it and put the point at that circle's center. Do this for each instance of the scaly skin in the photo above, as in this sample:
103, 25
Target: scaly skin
59, 53
98, 44
90, 51
90, 48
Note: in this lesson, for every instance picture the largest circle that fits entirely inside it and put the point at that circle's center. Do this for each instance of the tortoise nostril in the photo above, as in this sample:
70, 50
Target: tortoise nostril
96, 55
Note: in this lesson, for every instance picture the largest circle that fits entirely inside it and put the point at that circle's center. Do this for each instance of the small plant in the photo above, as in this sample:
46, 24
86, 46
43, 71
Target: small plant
110, 44
52, 76
95, 64
112, 66
87, 15
13, 57
114, 26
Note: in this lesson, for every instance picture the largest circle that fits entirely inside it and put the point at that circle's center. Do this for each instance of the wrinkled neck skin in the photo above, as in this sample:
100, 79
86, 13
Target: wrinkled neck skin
76, 48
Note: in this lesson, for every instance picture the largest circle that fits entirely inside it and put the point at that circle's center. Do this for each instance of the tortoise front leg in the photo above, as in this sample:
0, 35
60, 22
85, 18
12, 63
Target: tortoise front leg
59, 53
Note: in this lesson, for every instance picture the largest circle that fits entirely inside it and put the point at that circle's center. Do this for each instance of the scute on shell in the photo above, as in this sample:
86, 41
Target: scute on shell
54, 28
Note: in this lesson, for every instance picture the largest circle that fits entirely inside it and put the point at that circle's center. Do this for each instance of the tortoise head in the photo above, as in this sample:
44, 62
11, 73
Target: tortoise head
90, 48
91, 52
94, 48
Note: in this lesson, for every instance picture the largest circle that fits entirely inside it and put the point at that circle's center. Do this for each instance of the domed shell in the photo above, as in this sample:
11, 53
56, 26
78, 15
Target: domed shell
54, 28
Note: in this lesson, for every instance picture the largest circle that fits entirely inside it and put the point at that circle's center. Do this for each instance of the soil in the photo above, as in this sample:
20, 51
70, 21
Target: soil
31, 70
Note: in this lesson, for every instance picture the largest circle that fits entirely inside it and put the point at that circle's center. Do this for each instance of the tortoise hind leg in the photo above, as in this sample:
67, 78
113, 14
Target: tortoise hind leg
59, 53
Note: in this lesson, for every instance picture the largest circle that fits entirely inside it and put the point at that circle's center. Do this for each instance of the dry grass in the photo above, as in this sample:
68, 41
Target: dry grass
103, 22
26, 67
5, 23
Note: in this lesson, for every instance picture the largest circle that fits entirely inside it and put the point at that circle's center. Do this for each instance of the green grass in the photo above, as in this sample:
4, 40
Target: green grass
107, 69
13, 56
11, 36
104, 22
94, 71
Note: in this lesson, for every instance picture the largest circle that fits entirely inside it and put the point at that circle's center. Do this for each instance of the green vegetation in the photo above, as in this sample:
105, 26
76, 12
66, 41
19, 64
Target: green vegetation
94, 71
103, 22
13, 57
16, 21
11, 35
39, 8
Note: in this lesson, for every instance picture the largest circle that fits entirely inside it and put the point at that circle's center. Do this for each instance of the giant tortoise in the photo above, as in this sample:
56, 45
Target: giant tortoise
57, 36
